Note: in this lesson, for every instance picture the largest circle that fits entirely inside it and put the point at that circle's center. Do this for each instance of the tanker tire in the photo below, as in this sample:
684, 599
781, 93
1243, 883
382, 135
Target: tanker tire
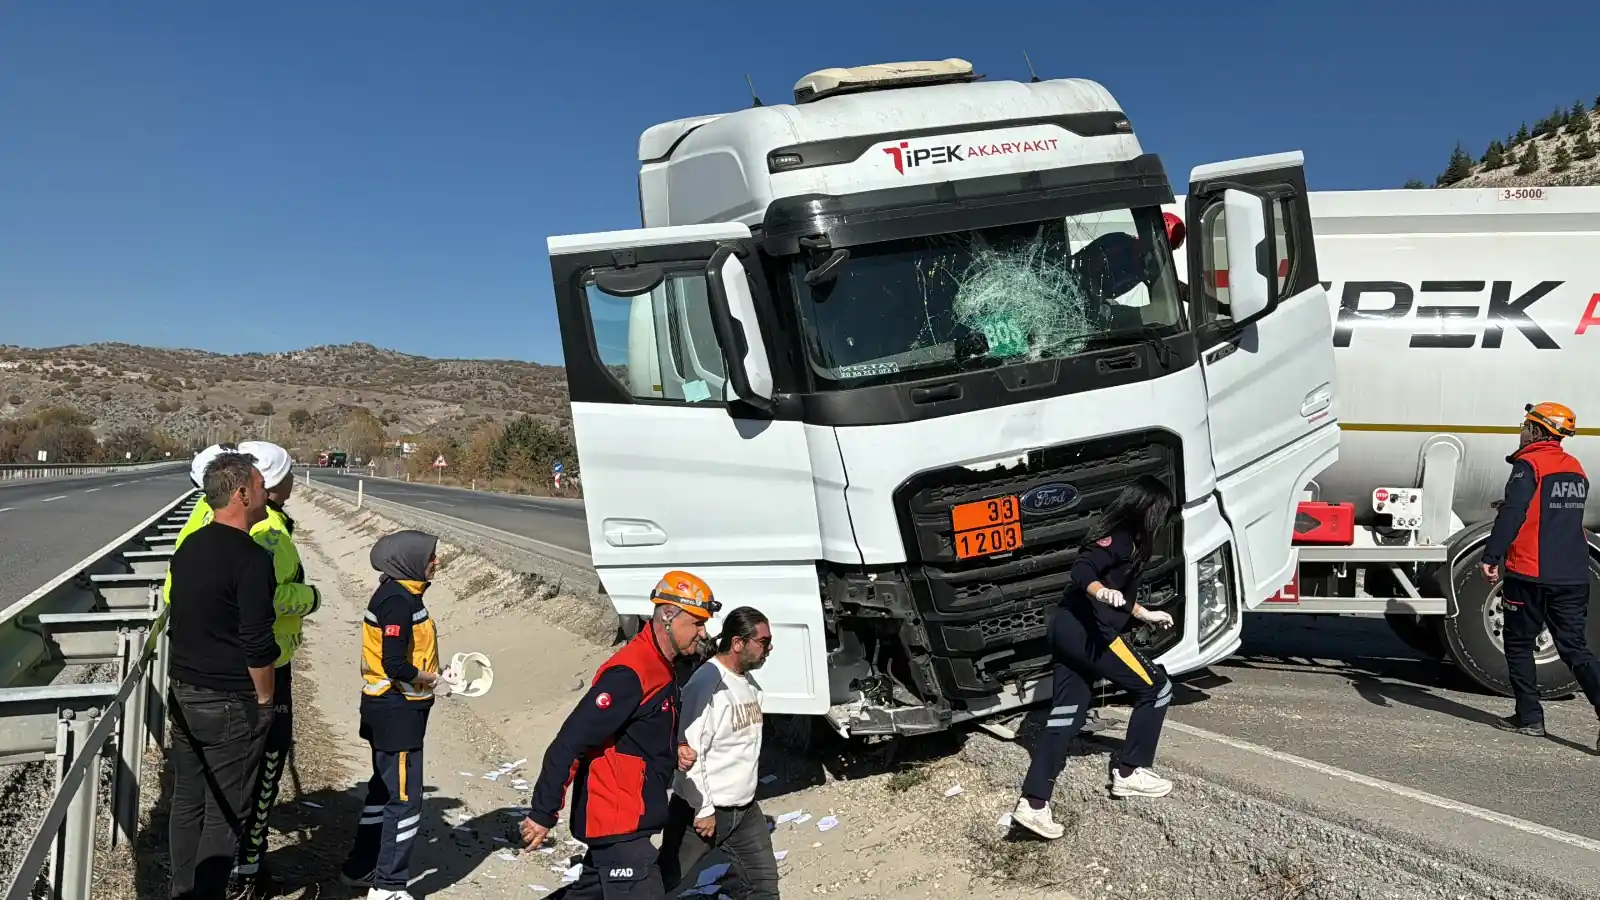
1474, 649
628, 627
1422, 634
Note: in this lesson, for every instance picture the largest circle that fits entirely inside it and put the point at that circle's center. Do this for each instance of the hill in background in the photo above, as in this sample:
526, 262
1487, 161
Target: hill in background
303, 398
1560, 150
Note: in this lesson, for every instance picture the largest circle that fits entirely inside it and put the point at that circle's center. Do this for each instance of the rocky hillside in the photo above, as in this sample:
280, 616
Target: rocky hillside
305, 396
1560, 150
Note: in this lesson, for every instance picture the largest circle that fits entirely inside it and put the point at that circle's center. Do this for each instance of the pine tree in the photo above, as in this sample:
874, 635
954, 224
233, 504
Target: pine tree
1563, 160
1415, 184
1580, 123
1522, 134
1493, 158
1530, 161
1460, 167
1583, 148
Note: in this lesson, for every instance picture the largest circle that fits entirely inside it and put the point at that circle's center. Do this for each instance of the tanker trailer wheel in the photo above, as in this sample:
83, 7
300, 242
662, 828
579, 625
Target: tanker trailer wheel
1475, 634
1421, 633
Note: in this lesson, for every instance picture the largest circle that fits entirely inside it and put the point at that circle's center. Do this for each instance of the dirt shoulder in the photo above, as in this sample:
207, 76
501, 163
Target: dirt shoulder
881, 847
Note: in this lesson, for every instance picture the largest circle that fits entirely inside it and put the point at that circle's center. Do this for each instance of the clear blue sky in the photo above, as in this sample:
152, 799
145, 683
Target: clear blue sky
167, 166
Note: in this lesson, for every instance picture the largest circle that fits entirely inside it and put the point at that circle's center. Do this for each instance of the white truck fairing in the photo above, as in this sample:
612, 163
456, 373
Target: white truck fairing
855, 325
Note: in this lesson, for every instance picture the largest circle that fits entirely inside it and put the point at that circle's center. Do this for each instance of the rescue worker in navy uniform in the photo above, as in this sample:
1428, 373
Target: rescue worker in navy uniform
401, 678
1539, 539
1086, 642
619, 748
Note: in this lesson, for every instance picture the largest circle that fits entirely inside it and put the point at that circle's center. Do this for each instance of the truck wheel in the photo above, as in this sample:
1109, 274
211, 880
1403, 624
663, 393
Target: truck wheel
1420, 633
1474, 635
628, 627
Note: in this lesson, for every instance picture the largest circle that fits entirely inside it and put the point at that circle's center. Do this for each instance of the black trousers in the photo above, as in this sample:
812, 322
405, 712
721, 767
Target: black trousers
1082, 656
274, 759
626, 870
390, 820
741, 833
1564, 609
217, 742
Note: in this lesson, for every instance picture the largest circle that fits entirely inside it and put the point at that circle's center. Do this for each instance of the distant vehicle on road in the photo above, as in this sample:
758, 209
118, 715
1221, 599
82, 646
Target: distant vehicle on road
331, 459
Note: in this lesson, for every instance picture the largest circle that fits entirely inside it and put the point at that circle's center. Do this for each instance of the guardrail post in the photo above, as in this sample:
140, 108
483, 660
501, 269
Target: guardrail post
130, 744
72, 867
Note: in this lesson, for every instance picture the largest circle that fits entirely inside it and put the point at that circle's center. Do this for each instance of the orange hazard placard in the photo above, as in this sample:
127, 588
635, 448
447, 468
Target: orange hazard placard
986, 527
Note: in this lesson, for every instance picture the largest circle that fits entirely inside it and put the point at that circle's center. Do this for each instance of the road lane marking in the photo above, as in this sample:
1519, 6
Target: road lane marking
54, 499
91, 490
119, 484
7, 508
1399, 790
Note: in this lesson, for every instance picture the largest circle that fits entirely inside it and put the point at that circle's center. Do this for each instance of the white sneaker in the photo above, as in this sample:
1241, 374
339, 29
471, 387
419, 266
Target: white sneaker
1142, 783
384, 894
1038, 821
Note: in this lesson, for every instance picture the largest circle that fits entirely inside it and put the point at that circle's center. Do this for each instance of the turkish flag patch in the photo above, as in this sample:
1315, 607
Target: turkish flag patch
1103, 542
391, 631
603, 701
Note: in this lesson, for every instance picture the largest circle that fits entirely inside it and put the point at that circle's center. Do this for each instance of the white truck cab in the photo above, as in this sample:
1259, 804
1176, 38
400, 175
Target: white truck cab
878, 357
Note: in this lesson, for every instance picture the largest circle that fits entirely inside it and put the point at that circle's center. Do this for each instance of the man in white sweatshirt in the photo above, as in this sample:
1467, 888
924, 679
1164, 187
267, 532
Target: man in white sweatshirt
714, 803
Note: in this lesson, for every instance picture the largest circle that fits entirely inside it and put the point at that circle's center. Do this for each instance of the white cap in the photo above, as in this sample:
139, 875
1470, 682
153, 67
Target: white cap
273, 461
197, 468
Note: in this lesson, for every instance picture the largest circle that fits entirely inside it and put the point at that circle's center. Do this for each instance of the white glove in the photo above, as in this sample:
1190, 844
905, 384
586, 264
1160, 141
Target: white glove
1110, 597
1156, 617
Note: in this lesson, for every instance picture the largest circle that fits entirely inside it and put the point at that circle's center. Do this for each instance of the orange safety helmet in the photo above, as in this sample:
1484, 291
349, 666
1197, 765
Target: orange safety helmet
687, 592
1553, 417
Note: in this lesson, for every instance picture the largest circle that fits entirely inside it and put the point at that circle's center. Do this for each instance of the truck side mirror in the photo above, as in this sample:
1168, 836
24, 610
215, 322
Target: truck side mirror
1250, 290
733, 316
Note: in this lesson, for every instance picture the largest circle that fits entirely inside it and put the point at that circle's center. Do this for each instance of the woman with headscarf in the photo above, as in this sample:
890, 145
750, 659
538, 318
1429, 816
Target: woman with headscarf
400, 667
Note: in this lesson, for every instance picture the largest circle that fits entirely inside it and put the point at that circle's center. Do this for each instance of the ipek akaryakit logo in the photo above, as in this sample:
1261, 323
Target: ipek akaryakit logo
904, 156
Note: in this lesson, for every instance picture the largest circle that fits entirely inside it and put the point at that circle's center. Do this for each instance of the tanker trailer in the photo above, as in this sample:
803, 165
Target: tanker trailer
1454, 309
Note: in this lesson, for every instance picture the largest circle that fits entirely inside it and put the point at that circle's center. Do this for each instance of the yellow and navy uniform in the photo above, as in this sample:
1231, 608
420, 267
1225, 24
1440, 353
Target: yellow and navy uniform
1086, 645
294, 599
398, 641
199, 517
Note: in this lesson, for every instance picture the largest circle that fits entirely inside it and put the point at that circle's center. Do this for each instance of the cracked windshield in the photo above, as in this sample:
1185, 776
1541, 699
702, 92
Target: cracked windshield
921, 307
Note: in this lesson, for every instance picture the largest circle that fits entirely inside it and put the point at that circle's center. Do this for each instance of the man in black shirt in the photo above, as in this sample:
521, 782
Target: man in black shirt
222, 655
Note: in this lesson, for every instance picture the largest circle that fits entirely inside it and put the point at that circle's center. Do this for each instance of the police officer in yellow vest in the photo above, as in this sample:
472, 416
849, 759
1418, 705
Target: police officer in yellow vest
293, 600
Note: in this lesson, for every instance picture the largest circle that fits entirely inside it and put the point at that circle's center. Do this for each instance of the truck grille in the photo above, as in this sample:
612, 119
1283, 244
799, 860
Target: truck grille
986, 618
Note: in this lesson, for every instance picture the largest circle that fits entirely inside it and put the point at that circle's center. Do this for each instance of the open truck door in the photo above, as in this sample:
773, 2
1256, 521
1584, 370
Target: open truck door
1265, 333
683, 465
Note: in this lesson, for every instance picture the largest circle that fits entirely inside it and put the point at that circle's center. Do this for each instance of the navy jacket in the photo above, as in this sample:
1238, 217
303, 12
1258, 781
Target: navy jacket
618, 750
1539, 532
1110, 562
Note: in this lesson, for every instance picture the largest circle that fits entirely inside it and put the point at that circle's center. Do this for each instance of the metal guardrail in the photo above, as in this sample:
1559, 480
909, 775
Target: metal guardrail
21, 471
107, 609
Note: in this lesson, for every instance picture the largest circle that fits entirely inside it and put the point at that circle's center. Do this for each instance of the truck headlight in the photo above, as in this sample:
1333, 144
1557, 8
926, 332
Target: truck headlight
1214, 593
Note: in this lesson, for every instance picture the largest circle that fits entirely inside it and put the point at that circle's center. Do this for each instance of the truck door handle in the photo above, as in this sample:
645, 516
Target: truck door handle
632, 533
1318, 400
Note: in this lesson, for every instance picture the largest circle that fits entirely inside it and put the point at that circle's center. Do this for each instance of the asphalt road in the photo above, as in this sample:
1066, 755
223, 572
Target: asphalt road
1345, 692
553, 521
47, 526
1341, 692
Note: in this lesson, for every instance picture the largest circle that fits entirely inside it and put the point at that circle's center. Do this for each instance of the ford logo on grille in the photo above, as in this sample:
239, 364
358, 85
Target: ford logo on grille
1049, 498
